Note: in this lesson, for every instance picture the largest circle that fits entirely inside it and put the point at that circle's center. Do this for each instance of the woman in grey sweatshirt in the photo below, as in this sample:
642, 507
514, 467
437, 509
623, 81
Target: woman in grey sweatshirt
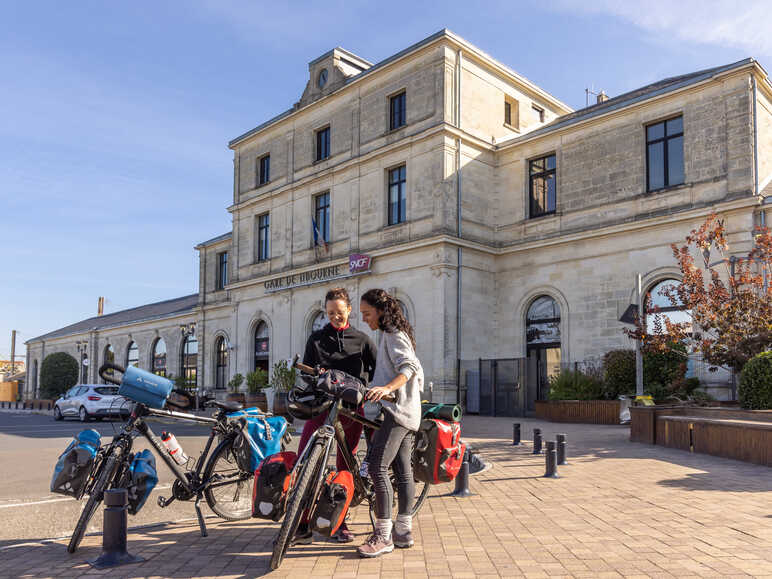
397, 372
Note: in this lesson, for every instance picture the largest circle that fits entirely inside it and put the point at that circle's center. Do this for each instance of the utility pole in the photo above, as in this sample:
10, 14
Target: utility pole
13, 351
638, 351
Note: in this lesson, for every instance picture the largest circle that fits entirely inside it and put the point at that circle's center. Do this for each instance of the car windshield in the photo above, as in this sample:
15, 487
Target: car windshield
107, 390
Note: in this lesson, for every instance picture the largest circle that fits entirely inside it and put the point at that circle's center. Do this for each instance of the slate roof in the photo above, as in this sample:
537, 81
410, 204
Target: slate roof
153, 311
215, 239
663, 86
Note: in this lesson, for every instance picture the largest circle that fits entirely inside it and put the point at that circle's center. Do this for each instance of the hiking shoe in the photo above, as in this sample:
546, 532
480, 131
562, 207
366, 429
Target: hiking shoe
477, 465
343, 535
402, 541
303, 536
375, 546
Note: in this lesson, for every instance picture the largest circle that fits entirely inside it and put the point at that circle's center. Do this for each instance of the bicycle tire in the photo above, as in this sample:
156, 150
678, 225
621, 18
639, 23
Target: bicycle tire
242, 486
418, 501
95, 497
295, 505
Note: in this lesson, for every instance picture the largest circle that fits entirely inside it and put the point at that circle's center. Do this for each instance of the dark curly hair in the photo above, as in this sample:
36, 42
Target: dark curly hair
391, 318
338, 293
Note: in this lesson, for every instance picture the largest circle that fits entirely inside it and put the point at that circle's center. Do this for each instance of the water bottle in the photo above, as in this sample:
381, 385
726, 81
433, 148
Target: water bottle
174, 448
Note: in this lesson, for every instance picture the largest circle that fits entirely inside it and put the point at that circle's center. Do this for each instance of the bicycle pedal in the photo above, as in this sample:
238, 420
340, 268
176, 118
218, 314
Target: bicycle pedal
162, 502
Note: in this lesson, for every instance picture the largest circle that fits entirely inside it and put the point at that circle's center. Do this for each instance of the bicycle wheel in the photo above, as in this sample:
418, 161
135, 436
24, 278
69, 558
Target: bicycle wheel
95, 497
231, 498
297, 503
421, 492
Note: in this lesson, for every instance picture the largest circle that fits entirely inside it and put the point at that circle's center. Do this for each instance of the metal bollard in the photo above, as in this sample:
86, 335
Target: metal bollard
537, 441
462, 480
114, 532
551, 458
516, 434
561, 440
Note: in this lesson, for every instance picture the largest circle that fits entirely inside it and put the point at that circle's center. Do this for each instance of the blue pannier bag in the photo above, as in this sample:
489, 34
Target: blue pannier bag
75, 464
261, 437
144, 477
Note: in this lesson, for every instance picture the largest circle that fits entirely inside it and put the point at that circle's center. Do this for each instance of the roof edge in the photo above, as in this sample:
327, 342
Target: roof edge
214, 240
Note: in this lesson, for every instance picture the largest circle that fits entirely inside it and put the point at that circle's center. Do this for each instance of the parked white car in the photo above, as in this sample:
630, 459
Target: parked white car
87, 401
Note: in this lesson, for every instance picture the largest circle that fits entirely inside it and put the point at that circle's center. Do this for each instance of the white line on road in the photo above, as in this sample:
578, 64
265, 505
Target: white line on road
32, 503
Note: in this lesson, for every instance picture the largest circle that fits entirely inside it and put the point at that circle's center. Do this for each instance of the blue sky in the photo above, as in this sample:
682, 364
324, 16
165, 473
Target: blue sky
116, 116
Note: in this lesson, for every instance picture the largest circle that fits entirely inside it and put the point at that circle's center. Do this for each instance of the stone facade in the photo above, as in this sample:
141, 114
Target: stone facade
490, 262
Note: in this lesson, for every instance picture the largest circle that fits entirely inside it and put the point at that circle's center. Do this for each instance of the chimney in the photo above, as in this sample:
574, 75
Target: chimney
601, 98
100, 306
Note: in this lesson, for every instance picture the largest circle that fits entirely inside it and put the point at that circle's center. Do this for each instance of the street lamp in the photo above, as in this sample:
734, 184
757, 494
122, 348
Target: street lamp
188, 330
82, 346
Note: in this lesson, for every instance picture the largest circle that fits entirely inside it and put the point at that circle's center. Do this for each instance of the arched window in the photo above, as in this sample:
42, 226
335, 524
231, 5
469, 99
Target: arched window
189, 362
319, 321
221, 363
542, 335
109, 356
132, 355
159, 357
262, 346
658, 303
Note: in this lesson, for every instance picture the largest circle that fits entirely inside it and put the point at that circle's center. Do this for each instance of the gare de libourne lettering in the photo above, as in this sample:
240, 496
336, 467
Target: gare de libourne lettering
358, 264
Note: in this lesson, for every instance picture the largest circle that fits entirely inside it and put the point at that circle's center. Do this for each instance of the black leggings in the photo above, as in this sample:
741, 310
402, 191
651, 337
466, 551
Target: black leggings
392, 445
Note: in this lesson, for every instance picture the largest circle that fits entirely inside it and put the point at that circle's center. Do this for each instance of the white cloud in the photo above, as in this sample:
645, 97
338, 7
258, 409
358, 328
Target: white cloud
741, 25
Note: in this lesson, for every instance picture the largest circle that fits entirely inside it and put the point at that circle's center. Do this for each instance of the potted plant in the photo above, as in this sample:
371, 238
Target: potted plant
233, 385
283, 379
256, 382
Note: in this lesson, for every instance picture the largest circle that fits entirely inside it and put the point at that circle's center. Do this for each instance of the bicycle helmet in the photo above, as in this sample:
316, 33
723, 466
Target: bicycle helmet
305, 403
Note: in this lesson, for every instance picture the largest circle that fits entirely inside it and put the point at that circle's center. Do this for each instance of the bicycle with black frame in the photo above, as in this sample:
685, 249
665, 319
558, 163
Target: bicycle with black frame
307, 476
215, 476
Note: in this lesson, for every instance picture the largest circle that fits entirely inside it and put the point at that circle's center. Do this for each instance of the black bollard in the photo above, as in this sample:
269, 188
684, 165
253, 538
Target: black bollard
551, 458
537, 441
114, 532
462, 480
516, 434
561, 440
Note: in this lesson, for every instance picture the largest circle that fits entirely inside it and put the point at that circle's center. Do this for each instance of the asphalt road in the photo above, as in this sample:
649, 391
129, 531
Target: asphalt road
29, 447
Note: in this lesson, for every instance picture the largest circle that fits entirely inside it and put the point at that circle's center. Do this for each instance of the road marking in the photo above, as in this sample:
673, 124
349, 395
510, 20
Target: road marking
42, 502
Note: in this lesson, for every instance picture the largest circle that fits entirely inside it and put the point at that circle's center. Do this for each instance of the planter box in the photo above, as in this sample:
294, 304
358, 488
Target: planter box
581, 411
728, 432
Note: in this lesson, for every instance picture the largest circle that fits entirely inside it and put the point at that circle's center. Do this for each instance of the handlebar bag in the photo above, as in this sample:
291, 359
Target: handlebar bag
261, 437
439, 451
271, 482
144, 477
333, 502
75, 464
145, 387
342, 385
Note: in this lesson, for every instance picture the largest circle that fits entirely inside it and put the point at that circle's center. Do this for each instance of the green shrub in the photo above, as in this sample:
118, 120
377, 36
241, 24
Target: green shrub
755, 389
618, 373
58, 373
664, 368
575, 385
235, 383
257, 380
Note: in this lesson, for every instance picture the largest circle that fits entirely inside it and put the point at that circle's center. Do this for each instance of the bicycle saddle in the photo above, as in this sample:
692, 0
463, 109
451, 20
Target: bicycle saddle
228, 405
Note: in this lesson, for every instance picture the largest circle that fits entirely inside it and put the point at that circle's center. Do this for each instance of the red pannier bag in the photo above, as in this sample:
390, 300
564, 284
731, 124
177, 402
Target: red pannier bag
439, 451
333, 502
271, 481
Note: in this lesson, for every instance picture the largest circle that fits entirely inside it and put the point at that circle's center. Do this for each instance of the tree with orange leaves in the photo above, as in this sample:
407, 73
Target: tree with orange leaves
730, 299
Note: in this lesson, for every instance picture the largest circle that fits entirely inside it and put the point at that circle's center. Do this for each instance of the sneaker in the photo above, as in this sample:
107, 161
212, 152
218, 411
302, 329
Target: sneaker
343, 535
303, 536
477, 465
402, 541
375, 546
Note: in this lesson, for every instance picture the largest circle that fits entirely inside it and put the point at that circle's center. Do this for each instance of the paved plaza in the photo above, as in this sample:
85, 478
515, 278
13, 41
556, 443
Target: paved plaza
620, 509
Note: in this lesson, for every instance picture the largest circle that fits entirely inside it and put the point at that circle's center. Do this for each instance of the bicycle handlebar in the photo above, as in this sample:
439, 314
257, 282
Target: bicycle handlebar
110, 366
305, 369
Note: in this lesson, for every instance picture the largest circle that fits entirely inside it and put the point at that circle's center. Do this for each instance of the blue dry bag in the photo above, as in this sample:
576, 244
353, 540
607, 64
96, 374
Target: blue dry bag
75, 464
143, 480
260, 437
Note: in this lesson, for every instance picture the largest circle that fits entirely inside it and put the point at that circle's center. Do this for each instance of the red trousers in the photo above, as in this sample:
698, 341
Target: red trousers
352, 429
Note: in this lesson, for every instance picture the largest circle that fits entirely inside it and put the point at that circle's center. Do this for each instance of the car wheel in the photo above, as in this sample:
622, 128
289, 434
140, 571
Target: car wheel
83, 414
57, 413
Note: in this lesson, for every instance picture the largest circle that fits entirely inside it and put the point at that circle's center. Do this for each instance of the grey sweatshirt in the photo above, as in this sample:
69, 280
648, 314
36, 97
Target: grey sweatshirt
396, 356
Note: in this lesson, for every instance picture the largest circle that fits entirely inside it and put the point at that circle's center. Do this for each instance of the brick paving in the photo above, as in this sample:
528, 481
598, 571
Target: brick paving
620, 509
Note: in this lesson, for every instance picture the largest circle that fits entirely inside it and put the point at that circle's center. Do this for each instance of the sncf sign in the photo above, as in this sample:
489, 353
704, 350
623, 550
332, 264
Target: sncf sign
358, 262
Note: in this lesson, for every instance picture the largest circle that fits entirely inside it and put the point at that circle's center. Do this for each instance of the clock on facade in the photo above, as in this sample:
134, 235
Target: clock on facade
322, 78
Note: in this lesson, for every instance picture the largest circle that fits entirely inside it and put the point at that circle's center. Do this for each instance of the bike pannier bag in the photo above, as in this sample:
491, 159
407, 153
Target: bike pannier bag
271, 481
439, 451
333, 503
75, 464
145, 387
343, 386
260, 438
144, 477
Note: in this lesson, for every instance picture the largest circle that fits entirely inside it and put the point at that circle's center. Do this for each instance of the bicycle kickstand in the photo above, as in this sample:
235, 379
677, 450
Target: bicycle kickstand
200, 516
